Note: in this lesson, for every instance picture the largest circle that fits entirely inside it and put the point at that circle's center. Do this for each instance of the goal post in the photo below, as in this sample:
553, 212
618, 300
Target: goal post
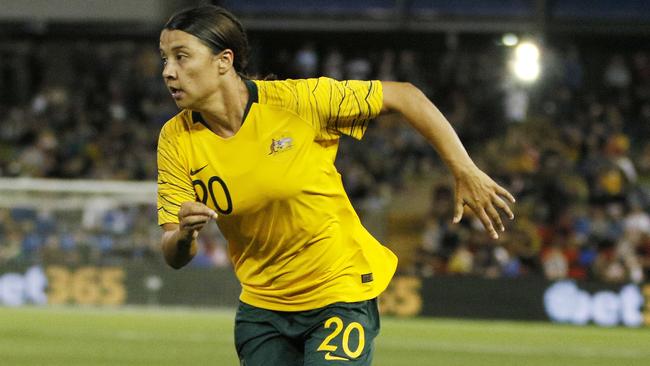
61, 194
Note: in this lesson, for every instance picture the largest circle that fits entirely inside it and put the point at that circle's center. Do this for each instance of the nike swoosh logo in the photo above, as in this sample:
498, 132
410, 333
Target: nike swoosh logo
329, 357
196, 171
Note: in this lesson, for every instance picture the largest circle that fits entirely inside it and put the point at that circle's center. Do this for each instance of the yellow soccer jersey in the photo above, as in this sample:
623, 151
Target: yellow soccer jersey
293, 237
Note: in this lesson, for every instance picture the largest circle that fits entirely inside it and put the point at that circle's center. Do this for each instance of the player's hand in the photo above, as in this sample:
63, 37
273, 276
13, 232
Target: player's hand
193, 216
478, 191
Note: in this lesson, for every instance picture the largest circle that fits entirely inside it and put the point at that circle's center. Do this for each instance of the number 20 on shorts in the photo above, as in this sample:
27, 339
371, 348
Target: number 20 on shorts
337, 324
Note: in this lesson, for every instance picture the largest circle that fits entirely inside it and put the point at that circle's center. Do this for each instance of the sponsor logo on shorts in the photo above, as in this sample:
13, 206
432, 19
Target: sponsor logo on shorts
330, 357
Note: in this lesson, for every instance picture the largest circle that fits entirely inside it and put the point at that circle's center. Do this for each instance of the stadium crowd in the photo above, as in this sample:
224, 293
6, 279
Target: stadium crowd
573, 148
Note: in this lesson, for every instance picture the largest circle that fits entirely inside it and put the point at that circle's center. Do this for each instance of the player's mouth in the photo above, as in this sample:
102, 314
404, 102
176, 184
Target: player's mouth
176, 93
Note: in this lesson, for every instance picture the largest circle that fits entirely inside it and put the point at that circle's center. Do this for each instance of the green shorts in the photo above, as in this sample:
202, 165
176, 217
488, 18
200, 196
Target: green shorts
337, 334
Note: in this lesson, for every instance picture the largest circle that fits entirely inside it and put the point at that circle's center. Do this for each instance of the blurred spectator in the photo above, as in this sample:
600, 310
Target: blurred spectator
461, 261
358, 68
306, 61
212, 250
555, 264
333, 64
617, 73
386, 68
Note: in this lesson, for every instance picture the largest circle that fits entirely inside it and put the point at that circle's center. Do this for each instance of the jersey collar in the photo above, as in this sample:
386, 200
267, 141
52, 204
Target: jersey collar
252, 98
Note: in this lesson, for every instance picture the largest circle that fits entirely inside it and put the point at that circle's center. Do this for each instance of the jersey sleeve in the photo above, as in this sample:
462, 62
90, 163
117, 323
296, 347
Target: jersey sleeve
174, 185
332, 107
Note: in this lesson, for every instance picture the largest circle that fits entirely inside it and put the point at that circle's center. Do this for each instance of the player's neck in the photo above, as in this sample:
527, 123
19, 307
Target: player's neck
224, 111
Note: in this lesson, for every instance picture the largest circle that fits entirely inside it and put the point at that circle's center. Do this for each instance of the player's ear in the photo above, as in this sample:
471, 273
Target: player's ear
224, 60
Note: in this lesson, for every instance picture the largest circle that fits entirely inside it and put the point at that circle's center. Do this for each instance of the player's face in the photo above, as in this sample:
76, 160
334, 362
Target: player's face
190, 68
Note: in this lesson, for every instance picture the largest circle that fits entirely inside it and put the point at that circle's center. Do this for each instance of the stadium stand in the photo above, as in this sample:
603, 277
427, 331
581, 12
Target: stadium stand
574, 149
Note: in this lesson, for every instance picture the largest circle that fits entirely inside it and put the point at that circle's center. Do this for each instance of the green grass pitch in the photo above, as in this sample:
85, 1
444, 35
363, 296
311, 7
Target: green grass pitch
155, 336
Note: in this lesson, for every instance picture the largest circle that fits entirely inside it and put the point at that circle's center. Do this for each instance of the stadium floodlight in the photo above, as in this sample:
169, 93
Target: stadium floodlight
525, 64
526, 71
527, 51
509, 39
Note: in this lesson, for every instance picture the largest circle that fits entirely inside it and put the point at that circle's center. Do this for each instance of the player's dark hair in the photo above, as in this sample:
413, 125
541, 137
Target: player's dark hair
217, 28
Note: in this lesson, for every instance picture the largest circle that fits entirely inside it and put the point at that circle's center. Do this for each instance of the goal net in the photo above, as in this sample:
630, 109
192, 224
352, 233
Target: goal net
76, 221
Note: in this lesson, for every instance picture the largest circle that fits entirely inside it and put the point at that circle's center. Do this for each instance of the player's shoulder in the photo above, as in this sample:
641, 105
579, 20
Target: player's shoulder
177, 125
292, 83
270, 90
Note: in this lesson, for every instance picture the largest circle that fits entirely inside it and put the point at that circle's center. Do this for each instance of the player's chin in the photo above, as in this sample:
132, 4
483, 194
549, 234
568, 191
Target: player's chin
182, 103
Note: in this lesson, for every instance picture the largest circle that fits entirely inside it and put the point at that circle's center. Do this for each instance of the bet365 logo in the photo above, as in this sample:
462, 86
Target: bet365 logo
566, 303
17, 289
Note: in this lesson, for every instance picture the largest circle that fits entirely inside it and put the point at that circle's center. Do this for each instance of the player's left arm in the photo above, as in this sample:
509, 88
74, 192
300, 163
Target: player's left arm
473, 187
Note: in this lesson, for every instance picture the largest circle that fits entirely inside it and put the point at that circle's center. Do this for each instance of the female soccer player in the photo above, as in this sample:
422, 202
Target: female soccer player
258, 157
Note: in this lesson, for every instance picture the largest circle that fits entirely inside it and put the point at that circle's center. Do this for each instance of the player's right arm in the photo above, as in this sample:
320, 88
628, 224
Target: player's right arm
179, 215
179, 240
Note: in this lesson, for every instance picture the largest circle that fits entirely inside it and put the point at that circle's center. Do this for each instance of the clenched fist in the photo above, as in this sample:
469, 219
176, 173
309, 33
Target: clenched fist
193, 216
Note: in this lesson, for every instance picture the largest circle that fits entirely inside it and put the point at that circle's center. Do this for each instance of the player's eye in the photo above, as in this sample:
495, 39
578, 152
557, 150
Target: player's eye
163, 60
